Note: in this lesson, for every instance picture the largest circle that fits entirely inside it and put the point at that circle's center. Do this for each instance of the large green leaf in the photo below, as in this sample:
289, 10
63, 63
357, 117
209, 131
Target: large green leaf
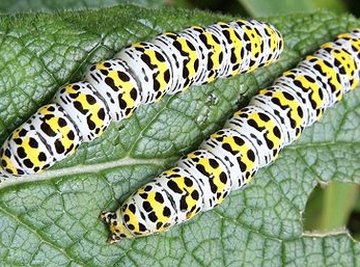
53, 218
47, 5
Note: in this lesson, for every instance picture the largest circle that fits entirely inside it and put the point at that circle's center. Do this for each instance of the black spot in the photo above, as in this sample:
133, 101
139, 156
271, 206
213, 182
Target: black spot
288, 96
195, 195
254, 124
183, 204
263, 117
148, 188
142, 227
156, 84
223, 177
242, 166
104, 72
134, 93
269, 143
159, 198
111, 84
277, 132
21, 152
132, 208
143, 195
152, 216
51, 109
42, 156
228, 148
28, 163
159, 57
213, 186
167, 76
17, 141
107, 64
62, 123
251, 155
202, 170
196, 64
101, 114
80, 107
59, 147
74, 95
166, 212
90, 123
22, 132
300, 112
47, 129
123, 76
122, 102
213, 163
33, 143
90, 99
146, 205
239, 141
174, 187
71, 135
159, 225
158, 95
147, 60
188, 182
128, 111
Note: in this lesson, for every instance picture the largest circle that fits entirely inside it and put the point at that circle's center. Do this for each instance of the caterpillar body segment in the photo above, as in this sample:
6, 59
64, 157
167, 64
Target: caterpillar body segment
151, 67
182, 56
287, 107
46, 137
85, 108
184, 191
116, 84
212, 175
237, 152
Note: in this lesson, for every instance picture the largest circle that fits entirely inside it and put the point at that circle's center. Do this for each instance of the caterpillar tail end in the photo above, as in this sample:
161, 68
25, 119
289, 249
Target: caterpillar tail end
116, 227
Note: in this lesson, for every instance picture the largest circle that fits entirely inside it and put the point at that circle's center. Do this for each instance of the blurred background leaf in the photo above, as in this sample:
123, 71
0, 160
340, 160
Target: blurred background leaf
236, 7
51, 5
274, 7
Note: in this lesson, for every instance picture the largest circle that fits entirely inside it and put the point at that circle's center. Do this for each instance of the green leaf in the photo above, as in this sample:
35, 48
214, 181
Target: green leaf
48, 5
267, 8
53, 218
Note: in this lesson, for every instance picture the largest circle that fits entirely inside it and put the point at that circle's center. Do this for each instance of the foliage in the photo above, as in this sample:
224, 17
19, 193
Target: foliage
53, 218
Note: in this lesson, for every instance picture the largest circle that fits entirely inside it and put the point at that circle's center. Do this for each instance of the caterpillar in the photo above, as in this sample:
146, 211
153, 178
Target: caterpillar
139, 74
252, 138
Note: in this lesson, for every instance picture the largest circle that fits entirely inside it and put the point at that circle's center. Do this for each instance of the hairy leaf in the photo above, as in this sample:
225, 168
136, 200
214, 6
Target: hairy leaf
52, 219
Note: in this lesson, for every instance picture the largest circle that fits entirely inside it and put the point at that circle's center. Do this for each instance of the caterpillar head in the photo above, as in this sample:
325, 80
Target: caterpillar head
117, 228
